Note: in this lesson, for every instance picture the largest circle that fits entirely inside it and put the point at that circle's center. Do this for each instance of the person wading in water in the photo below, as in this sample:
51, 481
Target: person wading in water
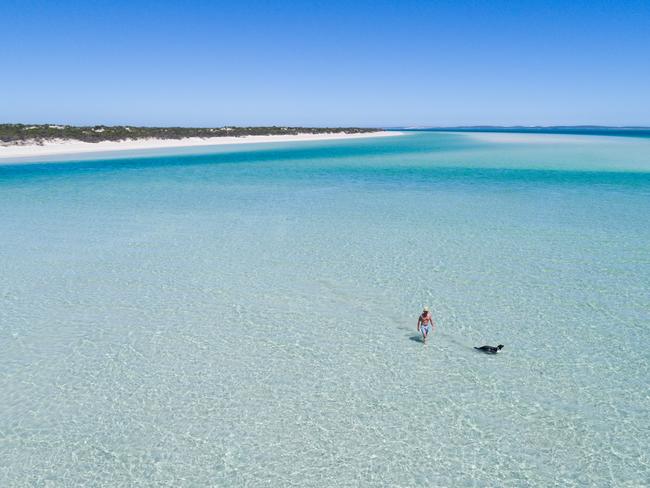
425, 324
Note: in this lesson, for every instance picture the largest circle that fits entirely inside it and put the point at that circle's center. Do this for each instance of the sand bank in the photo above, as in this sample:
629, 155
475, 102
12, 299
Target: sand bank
11, 154
531, 138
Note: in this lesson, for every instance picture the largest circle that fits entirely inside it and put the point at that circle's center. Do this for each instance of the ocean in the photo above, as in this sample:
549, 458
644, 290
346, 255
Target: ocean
246, 315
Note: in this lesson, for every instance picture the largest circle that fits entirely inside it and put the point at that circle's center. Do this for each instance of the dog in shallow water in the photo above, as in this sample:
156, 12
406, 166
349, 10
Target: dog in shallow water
490, 349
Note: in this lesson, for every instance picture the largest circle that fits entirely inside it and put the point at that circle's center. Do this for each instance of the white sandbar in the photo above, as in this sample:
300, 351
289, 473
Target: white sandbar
11, 154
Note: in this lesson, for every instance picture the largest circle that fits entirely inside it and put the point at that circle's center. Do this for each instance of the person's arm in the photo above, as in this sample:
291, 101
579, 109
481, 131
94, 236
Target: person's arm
419, 320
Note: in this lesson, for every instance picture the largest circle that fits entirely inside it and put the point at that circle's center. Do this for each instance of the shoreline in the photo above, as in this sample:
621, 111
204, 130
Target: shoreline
31, 153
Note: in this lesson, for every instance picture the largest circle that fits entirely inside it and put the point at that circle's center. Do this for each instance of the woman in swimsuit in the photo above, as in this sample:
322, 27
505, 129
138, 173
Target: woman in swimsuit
425, 324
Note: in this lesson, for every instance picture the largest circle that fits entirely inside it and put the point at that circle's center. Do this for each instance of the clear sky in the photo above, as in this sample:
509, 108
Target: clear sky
329, 62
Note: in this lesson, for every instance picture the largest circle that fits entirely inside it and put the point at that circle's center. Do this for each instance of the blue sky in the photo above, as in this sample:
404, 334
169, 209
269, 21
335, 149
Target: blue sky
364, 63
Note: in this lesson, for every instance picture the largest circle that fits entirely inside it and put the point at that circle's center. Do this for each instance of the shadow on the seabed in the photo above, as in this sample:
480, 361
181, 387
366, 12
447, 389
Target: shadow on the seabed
416, 338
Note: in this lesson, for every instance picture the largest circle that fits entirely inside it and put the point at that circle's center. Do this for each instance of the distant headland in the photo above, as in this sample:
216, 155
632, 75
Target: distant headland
595, 130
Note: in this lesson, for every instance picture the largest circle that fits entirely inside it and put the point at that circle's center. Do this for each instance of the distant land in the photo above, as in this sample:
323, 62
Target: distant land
24, 134
596, 130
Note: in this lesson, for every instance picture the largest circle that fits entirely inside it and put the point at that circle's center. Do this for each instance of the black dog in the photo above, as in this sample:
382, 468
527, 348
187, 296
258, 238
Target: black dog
490, 349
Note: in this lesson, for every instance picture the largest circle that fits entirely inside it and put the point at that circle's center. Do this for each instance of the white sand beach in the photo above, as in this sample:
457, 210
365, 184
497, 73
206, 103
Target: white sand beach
11, 154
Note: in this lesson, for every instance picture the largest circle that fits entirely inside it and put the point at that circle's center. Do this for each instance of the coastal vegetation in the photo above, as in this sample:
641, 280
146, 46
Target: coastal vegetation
16, 134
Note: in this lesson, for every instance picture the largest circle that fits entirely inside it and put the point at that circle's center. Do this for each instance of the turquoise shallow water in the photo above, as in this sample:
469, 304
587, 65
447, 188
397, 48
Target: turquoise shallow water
247, 317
